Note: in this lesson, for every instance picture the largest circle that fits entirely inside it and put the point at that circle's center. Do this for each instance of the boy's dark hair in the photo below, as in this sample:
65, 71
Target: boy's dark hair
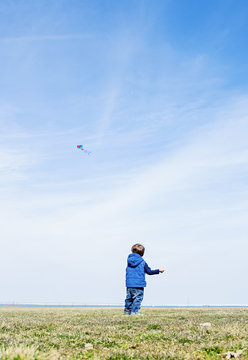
138, 249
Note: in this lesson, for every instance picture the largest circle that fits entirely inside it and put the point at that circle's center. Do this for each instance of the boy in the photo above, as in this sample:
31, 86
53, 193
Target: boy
135, 279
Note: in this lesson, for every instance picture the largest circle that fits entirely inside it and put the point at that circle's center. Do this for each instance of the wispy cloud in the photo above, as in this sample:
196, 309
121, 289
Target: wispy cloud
189, 198
60, 37
169, 156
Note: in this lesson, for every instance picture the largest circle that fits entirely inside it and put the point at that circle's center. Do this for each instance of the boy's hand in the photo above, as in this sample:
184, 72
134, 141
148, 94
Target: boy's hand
161, 270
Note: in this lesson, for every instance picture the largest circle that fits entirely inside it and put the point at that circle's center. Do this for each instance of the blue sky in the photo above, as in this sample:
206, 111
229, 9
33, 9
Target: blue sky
158, 92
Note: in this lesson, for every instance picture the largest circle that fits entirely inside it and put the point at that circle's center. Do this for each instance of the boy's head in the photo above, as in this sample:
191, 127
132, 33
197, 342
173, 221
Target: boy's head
138, 249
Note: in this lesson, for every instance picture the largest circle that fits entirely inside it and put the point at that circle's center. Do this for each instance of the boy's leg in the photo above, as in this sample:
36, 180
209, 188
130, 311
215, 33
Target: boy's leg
138, 295
128, 302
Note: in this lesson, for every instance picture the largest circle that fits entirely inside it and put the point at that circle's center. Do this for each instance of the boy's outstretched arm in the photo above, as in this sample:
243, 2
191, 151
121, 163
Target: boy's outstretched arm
149, 271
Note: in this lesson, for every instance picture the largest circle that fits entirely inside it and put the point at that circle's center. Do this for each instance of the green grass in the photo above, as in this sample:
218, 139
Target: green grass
41, 333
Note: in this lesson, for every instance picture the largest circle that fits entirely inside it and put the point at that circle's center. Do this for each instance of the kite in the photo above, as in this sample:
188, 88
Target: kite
82, 148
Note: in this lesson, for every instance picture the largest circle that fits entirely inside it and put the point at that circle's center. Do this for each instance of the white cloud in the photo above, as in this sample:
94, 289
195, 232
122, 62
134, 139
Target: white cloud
60, 37
190, 210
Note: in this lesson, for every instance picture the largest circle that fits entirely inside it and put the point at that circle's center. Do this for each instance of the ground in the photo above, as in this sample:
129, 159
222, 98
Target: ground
57, 333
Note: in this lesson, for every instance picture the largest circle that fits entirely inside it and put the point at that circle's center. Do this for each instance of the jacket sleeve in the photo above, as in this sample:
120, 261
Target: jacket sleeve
149, 271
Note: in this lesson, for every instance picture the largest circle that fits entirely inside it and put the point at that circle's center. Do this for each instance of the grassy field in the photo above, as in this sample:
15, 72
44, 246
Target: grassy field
42, 333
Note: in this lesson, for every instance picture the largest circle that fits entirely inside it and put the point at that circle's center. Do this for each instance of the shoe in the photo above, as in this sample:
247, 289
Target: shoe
127, 313
136, 314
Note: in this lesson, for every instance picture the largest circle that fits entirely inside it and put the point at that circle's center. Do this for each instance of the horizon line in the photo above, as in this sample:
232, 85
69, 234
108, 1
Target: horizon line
16, 304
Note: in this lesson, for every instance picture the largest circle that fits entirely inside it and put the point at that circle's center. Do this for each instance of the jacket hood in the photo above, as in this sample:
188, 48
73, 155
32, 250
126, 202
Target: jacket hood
134, 260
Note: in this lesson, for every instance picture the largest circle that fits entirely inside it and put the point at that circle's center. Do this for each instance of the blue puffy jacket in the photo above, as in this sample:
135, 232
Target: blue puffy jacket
136, 270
